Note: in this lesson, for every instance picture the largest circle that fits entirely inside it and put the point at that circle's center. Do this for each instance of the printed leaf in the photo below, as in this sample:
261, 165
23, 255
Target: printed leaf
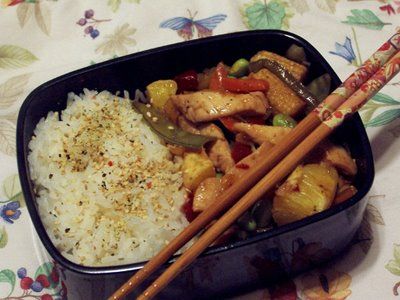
12, 187
3, 237
24, 13
396, 253
327, 5
15, 57
12, 89
367, 115
374, 215
365, 18
384, 118
12, 117
261, 15
393, 267
383, 98
364, 235
301, 6
7, 137
118, 42
114, 4
8, 276
42, 16
44, 269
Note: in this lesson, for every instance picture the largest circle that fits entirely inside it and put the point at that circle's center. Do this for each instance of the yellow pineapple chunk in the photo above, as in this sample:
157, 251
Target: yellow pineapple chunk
159, 92
196, 167
308, 190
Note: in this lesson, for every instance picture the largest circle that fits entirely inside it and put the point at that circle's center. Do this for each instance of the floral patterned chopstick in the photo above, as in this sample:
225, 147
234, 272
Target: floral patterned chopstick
362, 74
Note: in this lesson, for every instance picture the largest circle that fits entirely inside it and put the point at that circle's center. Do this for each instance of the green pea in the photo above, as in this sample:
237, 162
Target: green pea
283, 120
246, 222
240, 68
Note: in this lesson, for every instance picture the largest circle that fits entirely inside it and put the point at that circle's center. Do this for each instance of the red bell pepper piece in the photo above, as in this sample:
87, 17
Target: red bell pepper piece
229, 122
259, 120
217, 77
240, 151
246, 85
187, 81
220, 81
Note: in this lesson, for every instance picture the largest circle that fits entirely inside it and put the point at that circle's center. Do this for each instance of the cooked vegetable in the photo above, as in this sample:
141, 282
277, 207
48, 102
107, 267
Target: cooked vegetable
195, 168
261, 213
159, 92
309, 189
244, 85
240, 151
297, 70
283, 120
187, 81
286, 77
247, 222
320, 87
239, 68
220, 81
168, 130
296, 53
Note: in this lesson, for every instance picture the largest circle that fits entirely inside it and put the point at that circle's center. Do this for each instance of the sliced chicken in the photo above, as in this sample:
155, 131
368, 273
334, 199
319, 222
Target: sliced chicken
262, 133
327, 152
339, 157
209, 190
209, 105
218, 151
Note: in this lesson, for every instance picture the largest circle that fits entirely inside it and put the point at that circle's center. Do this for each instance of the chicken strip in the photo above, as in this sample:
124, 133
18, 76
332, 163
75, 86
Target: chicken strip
209, 105
218, 151
211, 188
327, 152
262, 133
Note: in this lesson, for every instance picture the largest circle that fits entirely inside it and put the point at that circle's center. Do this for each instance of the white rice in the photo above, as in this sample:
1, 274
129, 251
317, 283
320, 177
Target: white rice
108, 190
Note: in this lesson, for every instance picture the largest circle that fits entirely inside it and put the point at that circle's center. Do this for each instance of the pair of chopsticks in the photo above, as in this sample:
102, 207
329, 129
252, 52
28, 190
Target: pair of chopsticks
350, 96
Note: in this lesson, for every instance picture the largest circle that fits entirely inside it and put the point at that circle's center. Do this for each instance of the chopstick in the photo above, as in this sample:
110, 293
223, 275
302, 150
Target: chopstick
278, 152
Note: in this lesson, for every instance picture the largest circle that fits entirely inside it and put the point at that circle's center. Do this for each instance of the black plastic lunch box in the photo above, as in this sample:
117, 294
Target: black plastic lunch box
224, 270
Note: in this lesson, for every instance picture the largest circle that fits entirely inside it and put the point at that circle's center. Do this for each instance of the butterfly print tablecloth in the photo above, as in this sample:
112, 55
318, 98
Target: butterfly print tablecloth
41, 39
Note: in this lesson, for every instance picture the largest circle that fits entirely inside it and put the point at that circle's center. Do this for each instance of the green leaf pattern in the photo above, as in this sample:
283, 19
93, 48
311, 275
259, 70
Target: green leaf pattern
263, 15
12, 56
8, 276
385, 109
3, 237
393, 266
365, 18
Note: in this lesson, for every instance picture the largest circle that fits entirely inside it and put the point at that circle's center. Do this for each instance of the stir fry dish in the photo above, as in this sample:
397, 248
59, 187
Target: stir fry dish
223, 120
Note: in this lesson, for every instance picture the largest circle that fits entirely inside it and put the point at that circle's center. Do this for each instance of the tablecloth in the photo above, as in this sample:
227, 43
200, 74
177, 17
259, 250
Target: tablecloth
41, 39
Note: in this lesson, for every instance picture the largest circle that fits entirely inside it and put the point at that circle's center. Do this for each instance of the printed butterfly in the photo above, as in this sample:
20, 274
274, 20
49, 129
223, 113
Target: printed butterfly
186, 27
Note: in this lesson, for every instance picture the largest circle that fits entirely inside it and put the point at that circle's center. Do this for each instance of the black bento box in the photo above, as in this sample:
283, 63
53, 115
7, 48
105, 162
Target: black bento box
221, 270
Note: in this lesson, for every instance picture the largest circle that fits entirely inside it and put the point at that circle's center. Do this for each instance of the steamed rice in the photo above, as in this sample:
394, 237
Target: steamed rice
108, 190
